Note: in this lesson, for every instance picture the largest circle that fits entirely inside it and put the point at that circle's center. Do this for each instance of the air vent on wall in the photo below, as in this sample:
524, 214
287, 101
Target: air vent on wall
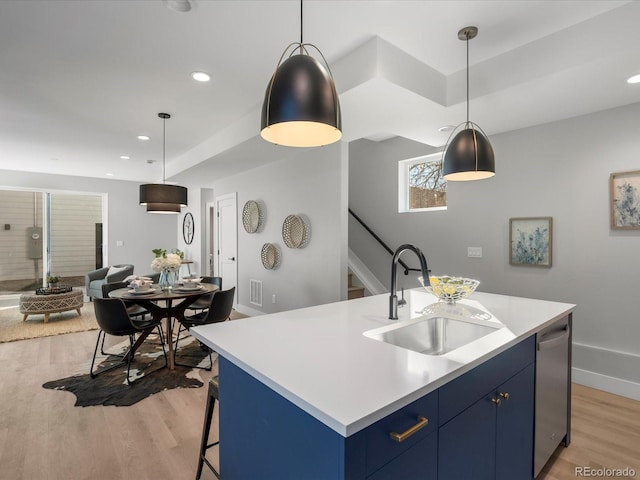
255, 292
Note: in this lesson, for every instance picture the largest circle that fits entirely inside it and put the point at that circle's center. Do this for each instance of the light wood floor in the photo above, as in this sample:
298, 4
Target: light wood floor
44, 437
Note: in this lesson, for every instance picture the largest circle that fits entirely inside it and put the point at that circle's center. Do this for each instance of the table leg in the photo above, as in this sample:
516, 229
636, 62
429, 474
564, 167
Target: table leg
170, 340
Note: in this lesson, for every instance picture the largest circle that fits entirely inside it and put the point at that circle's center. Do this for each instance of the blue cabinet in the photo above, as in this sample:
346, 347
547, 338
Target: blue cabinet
264, 436
490, 438
478, 426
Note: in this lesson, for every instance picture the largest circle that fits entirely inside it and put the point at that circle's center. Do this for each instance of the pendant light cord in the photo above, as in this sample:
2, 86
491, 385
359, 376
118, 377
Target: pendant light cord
467, 77
164, 129
301, 26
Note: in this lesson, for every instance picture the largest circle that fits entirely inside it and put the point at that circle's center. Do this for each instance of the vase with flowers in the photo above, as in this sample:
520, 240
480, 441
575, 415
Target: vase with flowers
168, 264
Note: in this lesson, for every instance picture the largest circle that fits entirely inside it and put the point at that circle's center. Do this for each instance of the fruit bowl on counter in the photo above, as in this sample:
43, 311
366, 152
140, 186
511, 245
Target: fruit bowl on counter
449, 289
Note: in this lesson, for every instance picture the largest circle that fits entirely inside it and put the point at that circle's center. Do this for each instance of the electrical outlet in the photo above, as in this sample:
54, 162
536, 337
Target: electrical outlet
273, 298
474, 252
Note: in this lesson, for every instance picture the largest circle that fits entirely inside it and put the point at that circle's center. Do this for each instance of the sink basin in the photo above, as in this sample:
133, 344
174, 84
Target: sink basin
433, 335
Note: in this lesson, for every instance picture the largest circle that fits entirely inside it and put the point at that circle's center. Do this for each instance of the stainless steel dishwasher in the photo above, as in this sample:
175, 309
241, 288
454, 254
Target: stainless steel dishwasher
553, 390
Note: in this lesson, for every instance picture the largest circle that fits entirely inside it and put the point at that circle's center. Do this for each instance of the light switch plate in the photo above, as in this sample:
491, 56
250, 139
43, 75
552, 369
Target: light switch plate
474, 252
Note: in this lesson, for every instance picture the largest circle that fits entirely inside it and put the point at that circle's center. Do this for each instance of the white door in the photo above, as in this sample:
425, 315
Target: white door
227, 240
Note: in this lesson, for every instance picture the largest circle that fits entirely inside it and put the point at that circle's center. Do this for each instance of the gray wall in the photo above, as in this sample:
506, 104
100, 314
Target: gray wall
127, 221
559, 170
313, 182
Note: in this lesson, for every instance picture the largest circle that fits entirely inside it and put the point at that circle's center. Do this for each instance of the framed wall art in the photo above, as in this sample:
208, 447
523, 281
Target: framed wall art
530, 241
624, 200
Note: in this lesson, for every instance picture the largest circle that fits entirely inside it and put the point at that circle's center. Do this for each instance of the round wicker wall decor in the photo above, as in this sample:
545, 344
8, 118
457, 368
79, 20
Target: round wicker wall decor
252, 218
296, 232
270, 256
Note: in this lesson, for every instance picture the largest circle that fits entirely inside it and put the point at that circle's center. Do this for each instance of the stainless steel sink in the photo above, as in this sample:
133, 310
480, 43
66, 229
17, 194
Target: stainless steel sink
434, 335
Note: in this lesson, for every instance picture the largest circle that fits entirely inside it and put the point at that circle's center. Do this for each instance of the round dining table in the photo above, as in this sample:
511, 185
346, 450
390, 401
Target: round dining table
164, 304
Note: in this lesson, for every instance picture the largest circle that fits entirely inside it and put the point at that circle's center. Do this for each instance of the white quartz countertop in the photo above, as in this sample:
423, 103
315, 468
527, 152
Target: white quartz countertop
320, 359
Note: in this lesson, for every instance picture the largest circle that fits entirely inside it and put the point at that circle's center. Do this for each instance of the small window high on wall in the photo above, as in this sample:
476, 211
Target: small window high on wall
421, 186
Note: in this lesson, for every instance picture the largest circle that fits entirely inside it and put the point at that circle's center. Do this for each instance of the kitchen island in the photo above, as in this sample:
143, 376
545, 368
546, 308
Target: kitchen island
302, 391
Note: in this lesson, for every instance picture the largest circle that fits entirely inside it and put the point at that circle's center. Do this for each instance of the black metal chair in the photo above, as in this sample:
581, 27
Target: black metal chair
219, 310
203, 302
214, 386
133, 309
113, 319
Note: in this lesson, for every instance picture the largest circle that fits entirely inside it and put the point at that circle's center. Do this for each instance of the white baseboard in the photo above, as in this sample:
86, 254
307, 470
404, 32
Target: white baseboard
613, 385
252, 312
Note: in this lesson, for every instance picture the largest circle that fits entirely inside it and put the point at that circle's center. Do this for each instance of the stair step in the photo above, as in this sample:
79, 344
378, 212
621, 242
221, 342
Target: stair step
355, 292
350, 277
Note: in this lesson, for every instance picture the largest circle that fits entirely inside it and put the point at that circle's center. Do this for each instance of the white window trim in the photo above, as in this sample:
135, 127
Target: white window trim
403, 182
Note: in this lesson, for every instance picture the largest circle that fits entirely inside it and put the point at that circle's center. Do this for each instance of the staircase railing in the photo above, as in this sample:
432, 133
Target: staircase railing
407, 269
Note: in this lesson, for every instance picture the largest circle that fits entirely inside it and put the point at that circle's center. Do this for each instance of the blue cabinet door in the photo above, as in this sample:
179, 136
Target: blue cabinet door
466, 444
417, 463
514, 428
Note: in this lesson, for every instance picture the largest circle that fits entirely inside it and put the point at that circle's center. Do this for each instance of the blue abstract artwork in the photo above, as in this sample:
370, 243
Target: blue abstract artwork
530, 241
625, 200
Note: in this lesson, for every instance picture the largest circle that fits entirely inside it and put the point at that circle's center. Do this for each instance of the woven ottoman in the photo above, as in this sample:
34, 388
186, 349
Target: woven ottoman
31, 304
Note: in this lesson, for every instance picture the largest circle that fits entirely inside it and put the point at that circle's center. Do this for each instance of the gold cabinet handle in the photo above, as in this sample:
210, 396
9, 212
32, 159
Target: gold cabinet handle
401, 437
505, 395
497, 401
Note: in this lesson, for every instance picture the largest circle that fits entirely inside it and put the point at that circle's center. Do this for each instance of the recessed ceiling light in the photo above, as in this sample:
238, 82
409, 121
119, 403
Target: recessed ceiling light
200, 76
634, 79
143, 137
446, 128
109, 174
125, 157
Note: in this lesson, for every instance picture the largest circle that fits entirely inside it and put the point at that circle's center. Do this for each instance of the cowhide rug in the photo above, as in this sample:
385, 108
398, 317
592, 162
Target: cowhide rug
147, 368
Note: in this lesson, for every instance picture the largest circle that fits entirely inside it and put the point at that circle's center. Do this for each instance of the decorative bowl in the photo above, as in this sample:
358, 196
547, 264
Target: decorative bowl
140, 287
449, 289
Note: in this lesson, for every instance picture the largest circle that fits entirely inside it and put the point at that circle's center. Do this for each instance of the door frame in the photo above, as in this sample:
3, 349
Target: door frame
209, 250
218, 231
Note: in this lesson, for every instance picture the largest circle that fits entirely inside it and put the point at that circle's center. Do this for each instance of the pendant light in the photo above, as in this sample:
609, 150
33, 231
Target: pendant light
301, 107
160, 197
469, 156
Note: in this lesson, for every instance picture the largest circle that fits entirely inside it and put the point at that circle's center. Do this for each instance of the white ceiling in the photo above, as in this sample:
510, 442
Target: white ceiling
79, 80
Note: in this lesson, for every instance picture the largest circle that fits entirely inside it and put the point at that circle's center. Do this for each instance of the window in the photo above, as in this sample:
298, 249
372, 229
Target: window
421, 186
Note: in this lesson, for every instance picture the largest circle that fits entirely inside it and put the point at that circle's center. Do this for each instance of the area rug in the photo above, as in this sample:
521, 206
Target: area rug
147, 367
13, 328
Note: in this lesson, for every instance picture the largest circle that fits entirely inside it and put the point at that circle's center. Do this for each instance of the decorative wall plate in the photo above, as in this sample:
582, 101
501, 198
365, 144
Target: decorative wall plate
270, 256
296, 232
252, 217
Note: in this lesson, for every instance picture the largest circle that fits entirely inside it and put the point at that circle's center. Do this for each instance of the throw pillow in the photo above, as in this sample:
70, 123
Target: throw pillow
114, 270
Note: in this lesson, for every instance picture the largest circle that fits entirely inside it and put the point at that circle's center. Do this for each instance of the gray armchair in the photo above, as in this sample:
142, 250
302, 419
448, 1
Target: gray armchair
94, 280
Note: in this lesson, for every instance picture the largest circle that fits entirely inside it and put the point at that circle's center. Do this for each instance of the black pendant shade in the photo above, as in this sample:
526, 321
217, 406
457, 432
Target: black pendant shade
166, 208
160, 197
469, 156
161, 193
301, 107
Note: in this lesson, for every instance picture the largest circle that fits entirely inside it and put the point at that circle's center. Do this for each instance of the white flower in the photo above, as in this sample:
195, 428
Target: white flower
166, 262
173, 262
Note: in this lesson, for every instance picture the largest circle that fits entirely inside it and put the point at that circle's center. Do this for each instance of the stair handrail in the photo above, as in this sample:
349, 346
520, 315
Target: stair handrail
407, 269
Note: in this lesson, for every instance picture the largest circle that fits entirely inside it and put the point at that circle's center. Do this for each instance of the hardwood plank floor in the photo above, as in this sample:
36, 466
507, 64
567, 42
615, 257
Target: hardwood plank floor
43, 436
605, 433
